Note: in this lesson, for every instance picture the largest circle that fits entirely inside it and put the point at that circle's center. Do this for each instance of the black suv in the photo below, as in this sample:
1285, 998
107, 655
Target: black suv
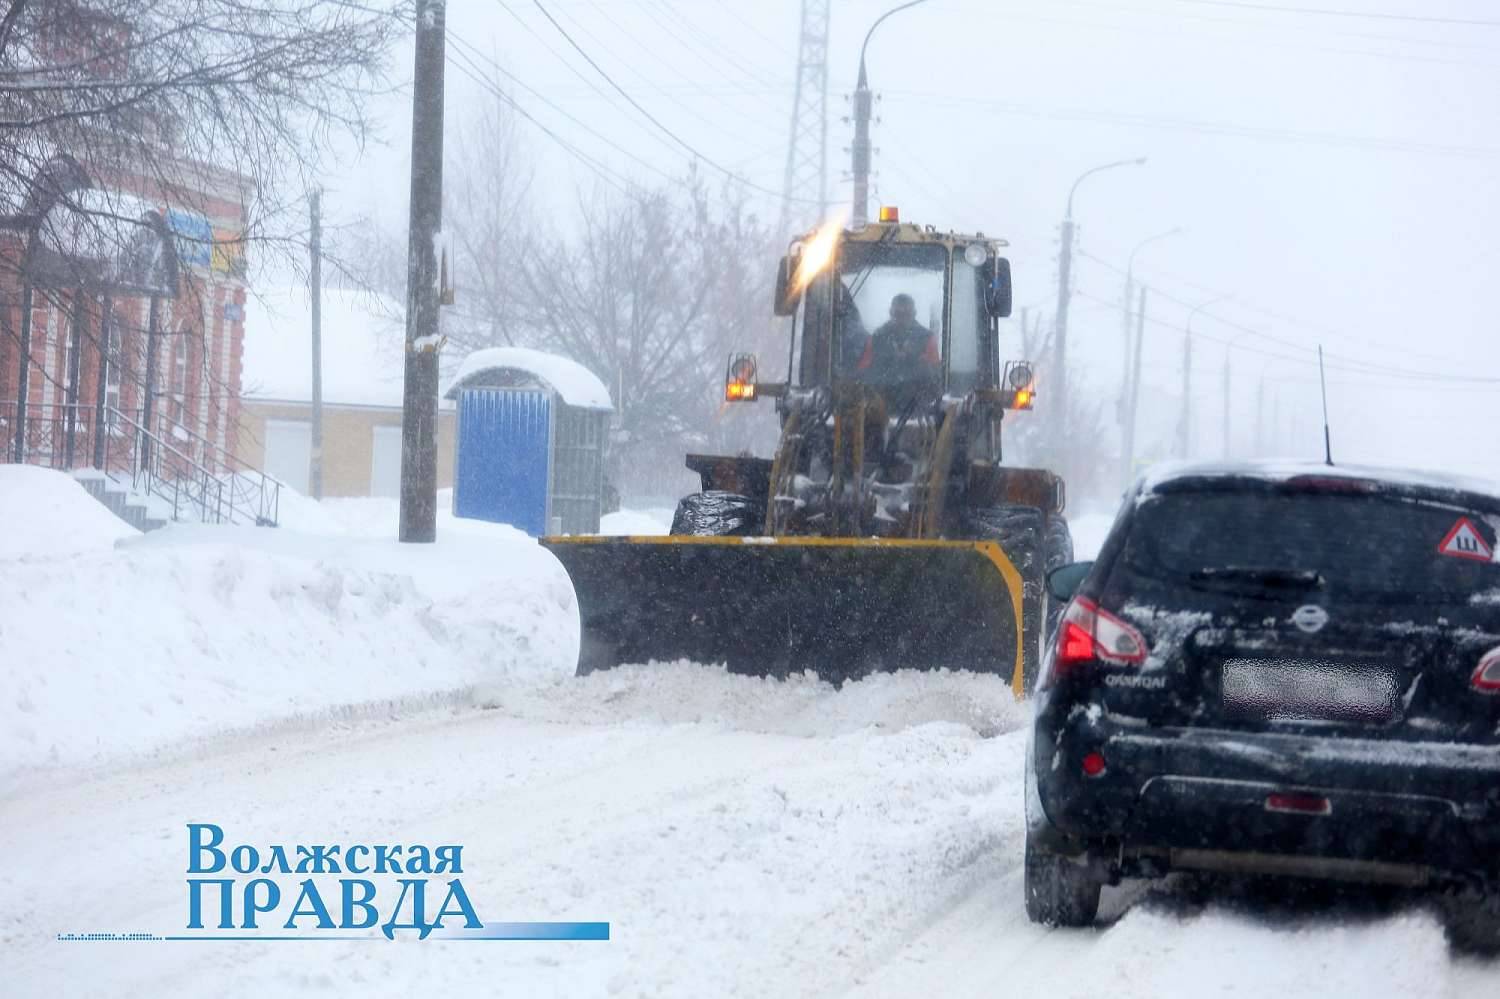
1276, 670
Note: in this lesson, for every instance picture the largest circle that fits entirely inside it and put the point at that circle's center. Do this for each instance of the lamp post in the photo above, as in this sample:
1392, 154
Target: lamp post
1064, 291
863, 102
1184, 428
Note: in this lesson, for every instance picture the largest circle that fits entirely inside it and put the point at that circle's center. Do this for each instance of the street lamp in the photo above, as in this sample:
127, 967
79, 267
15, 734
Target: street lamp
1059, 378
863, 102
1184, 430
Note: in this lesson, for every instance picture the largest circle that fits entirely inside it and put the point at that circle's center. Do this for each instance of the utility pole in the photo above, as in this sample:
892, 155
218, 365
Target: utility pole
419, 400
863, 103
315, 289
1128, 450
1059, 377
1260, 414
1227, 385
1126, 316
860, 151
1184, 429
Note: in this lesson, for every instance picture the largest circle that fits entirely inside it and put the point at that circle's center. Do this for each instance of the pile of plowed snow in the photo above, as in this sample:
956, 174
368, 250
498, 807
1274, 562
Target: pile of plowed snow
190, 633
689, 693
47, 513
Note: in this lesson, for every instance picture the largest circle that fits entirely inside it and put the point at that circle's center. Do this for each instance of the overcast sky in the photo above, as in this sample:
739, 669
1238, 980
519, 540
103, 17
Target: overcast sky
1337, 175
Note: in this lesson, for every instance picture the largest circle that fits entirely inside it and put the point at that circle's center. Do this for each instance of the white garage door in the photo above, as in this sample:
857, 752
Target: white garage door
289, 451
385, 462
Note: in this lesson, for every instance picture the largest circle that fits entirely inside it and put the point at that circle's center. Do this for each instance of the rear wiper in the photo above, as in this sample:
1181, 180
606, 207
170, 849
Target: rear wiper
1302, 579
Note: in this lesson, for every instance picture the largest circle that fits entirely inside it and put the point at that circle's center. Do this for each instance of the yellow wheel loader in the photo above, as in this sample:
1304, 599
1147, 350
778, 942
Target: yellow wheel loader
884, 533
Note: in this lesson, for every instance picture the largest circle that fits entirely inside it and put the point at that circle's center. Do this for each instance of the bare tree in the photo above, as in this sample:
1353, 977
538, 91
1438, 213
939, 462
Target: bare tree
653, 292
169, 96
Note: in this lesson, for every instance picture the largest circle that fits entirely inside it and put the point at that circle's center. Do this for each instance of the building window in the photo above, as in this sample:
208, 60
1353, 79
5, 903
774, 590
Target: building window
114, 358
179, 376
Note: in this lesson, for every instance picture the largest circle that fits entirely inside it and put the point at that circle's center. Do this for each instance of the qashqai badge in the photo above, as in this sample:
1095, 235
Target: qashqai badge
1310, 618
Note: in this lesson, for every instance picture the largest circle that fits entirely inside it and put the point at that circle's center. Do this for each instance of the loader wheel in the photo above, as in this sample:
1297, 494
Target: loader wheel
1059, 891
1021, 532
718, 514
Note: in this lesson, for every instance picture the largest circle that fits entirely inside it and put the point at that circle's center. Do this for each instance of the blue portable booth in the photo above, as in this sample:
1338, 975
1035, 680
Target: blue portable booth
530, 443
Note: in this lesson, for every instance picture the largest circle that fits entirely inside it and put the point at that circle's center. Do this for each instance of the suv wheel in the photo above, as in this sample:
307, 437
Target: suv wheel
1473, 922
1059, 890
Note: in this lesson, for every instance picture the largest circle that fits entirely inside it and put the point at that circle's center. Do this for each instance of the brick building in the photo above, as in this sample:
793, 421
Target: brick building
122, 299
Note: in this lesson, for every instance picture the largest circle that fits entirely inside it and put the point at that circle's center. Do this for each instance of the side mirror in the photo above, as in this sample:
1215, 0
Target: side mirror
786, 298
1064, 581
999, 296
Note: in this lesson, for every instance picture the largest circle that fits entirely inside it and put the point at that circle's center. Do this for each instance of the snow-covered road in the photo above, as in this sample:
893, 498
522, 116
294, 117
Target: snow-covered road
743, 837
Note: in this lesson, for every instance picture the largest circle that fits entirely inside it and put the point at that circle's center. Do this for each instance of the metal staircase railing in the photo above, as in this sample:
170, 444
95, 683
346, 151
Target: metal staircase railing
195, 477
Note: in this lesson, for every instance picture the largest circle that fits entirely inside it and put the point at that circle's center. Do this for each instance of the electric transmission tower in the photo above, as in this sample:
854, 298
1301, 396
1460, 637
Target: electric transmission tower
804, 194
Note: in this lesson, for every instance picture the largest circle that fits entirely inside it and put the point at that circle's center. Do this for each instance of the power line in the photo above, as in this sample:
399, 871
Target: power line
1241, 302
1371, 366
671, 10
1206, 127
647, 114
1326, 12
466, 67
475, 53
1351, 366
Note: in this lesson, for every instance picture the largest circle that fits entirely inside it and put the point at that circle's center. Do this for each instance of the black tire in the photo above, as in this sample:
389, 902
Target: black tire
1472, 922
1060, 891
718, 514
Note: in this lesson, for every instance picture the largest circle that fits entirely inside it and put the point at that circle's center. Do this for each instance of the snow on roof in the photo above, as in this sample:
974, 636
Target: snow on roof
363, 347
1280, 470
94, 223
577, 385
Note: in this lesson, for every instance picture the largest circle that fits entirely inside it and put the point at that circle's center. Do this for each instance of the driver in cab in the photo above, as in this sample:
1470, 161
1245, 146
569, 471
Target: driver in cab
901, 349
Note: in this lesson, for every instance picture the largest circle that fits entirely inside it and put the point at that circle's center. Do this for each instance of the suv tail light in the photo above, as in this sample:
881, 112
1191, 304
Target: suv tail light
1486, 678
1087, 633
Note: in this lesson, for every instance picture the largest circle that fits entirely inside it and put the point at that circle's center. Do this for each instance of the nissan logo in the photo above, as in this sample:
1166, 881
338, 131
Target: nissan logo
1310, 618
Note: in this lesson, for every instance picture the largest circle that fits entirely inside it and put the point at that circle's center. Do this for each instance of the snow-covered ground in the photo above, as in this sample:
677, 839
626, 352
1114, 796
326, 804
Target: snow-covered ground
115, 649
742, 836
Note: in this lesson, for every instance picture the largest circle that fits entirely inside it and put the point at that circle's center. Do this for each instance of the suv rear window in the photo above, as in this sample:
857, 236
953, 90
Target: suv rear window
1264, 541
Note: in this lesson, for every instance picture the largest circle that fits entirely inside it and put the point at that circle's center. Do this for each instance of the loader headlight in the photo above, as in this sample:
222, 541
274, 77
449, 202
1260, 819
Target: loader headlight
975, 254
1020, 376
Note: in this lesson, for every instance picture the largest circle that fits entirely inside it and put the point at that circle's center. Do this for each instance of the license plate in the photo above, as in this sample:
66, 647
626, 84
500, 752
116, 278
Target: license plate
1266, 690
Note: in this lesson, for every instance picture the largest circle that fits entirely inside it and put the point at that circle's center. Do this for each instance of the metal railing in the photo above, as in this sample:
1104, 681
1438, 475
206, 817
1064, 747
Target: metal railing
196, 478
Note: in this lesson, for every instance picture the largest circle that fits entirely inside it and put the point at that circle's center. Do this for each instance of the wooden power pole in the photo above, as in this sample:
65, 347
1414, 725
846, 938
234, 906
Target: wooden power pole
419, 403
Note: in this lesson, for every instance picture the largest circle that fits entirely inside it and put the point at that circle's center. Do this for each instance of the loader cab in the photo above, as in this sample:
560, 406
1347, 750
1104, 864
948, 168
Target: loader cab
902, 309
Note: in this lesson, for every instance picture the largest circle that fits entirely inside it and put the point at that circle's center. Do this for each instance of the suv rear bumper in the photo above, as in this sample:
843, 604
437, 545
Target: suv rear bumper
1398, 812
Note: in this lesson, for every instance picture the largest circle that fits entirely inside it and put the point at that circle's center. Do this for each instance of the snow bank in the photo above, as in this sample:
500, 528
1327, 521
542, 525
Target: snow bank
48, 513
682, 693
636, 522
194, 631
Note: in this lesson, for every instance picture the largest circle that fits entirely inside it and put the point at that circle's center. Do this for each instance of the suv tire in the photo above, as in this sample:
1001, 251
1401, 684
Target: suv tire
1473, 922
1060, 891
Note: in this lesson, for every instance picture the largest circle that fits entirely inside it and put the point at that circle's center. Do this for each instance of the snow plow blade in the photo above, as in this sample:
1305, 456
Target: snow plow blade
841, 607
